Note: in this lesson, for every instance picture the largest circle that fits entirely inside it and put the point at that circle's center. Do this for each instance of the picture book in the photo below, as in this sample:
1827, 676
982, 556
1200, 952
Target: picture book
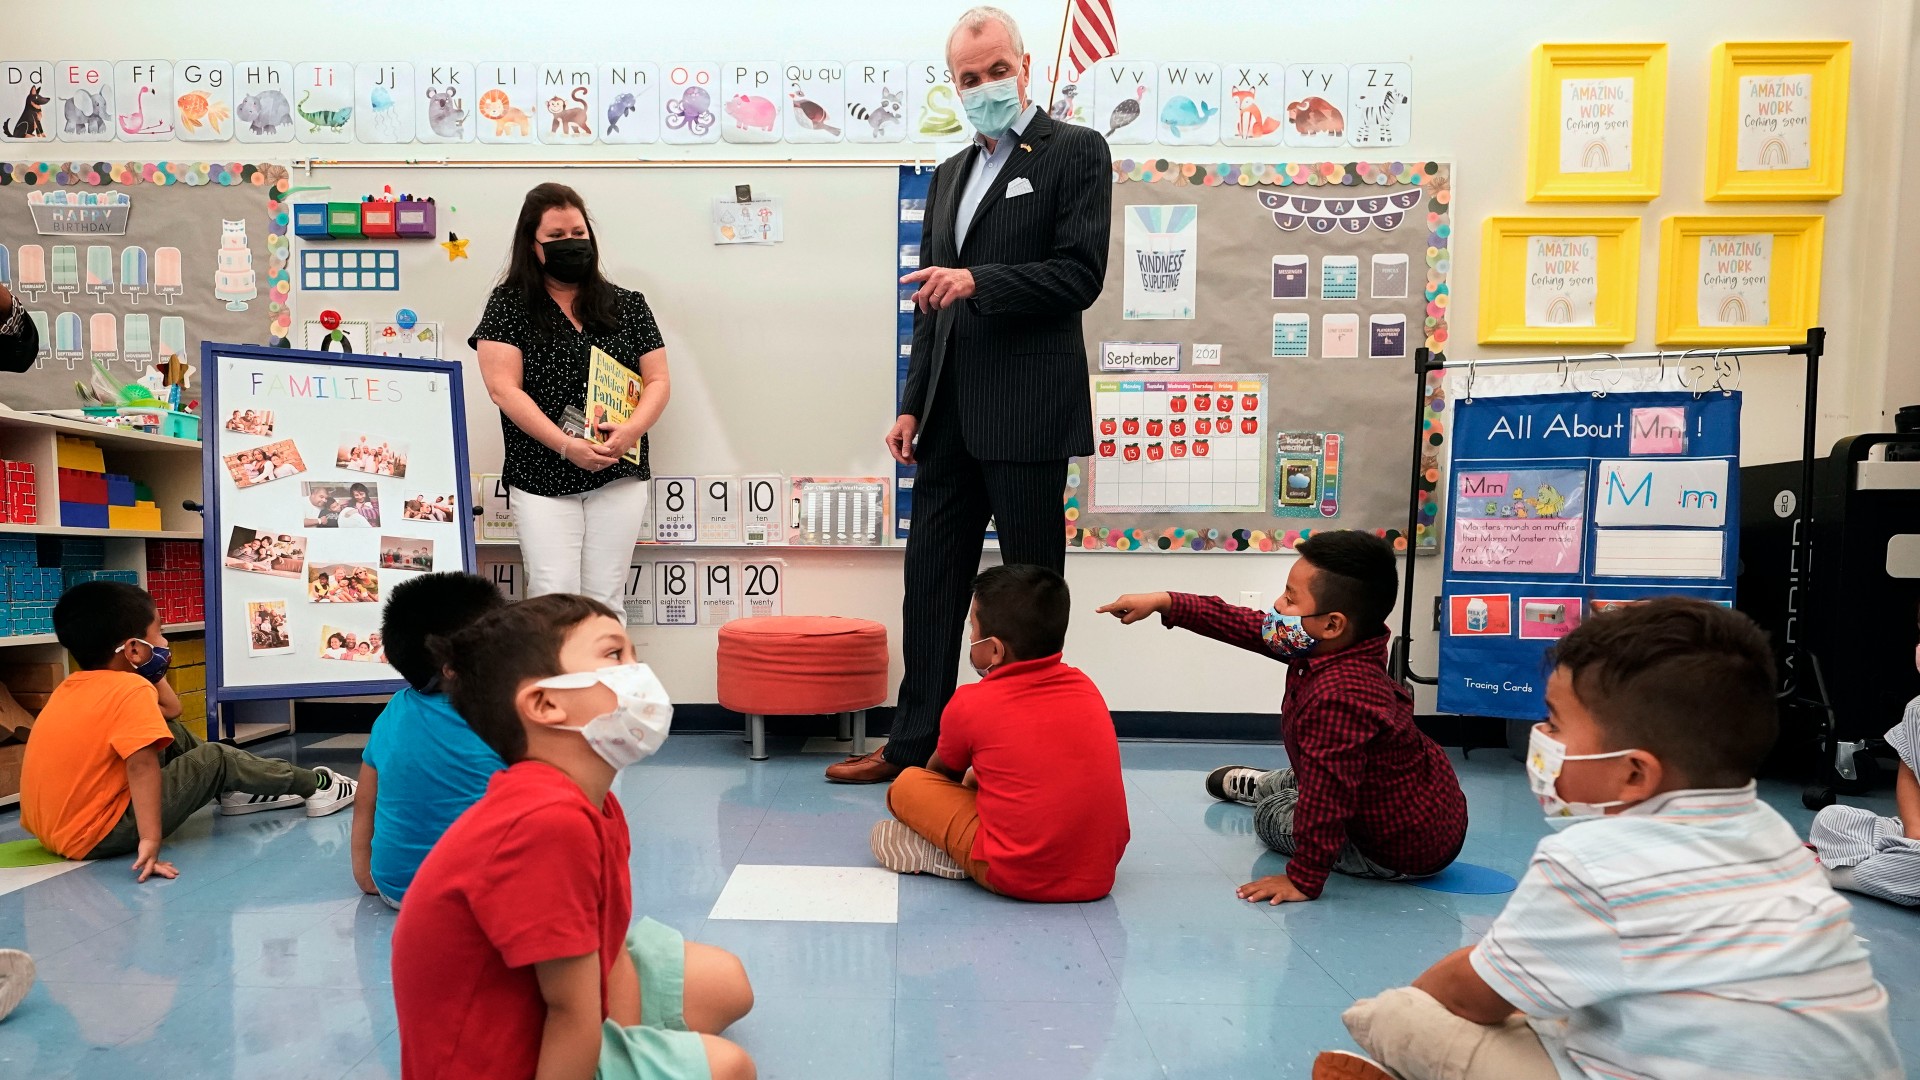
613, 392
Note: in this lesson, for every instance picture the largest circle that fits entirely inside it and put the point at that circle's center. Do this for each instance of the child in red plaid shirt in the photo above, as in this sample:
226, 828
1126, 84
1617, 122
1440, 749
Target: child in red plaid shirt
1368, 794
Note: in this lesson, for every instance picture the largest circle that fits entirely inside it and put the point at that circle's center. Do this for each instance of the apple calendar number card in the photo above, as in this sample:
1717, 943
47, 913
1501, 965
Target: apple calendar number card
676, 515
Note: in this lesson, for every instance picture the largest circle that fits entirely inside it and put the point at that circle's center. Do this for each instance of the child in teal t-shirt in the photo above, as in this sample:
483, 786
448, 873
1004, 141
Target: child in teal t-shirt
423, 766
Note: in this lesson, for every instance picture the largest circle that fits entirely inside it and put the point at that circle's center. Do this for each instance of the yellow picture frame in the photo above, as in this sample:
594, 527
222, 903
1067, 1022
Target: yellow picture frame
1793, 280
1560, 171
1765, 113
1504, 280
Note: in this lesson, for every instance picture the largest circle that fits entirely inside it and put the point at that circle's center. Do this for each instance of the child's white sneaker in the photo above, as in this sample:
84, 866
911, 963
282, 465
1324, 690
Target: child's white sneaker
904, 851
1234, 783
335, 797
235, 803
16, 979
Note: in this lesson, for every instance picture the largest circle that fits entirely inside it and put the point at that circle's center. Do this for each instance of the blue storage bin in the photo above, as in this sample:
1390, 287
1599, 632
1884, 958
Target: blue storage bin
310, 220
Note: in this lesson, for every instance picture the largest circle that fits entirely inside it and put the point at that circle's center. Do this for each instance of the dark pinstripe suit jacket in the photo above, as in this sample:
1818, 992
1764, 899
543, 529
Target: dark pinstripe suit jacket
1038, 261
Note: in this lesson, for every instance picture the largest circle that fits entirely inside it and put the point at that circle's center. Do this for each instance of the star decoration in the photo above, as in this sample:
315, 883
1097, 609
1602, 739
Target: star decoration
456, 247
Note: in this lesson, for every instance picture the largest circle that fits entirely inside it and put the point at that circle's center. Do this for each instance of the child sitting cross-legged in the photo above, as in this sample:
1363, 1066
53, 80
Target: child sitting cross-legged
1023, 793
423, 766
512, 956
1368, 794
1675, 927
108, 773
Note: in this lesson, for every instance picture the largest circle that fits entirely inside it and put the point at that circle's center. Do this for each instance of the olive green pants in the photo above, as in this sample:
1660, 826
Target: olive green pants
194, 773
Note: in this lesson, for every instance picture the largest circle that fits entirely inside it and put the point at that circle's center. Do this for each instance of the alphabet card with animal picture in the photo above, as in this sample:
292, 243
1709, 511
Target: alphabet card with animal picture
876, 101
202, 100
1256, 104
569, 104
507, 103
383, 102
449, 96
690, 104
1380, 104
143, 113
323, 102
934, 112
263, 107
1316, 105
752, 103
1189, 104
629, 103
1125, 101
26, 94
1070, 95
83, 91
816, 101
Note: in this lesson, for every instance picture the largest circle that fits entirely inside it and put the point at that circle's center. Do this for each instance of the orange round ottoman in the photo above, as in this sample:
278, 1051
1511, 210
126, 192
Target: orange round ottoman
801, 665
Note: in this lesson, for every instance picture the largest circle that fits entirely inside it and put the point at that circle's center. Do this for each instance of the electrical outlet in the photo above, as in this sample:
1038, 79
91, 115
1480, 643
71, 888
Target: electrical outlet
1252, 598
1438, 608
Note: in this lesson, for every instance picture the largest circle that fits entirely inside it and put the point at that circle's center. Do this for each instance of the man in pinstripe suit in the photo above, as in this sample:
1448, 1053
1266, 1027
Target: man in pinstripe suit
996, 400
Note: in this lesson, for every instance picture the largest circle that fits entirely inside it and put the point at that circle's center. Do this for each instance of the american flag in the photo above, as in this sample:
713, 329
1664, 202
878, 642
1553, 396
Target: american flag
1091, 37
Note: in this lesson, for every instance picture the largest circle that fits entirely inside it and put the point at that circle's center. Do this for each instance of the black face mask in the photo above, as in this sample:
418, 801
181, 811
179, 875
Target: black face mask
569, 261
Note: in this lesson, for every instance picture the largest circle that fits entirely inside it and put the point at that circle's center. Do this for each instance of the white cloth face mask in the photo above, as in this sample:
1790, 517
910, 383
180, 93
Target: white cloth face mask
1546, 756
641, 717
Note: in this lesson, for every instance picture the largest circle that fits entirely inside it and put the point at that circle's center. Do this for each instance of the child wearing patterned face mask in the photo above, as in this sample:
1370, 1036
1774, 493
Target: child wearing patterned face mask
1676, 927
1367, 794
527, 898
1879, 856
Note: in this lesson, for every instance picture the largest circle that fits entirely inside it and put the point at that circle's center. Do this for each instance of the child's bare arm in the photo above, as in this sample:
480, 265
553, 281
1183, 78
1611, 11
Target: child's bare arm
1906, 796
143, 780
170, 706
362, 839
934, 764
623, 991
1453, 983
570, 1042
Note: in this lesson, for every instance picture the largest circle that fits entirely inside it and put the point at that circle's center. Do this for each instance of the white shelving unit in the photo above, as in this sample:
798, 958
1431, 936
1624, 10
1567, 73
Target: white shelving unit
171, 467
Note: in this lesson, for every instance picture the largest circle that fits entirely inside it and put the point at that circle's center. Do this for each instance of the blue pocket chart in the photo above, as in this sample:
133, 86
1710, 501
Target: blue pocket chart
350, 269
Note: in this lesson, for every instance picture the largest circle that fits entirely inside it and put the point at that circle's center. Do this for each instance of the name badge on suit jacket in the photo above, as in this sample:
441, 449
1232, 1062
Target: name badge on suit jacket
1019, 185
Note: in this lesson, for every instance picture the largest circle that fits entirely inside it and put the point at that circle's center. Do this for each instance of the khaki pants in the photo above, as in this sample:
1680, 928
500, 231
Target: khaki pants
1416, 1038
194, 773
942, 811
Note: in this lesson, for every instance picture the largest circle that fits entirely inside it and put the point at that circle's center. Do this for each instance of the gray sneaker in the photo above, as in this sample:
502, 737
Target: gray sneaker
1234, 783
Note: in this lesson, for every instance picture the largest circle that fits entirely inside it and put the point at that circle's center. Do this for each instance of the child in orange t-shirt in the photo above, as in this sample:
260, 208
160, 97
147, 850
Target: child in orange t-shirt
107, 774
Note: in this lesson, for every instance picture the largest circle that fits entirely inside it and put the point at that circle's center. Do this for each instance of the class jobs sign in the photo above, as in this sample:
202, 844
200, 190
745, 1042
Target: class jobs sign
1563, 506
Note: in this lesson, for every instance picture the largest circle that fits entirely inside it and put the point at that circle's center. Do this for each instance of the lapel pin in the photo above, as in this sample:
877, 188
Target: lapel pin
1027, 148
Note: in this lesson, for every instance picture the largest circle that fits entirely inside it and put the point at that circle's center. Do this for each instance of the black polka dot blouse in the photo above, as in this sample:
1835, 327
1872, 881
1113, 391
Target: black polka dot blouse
554, 374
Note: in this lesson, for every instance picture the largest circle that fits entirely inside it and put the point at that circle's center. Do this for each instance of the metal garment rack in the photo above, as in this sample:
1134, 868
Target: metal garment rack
1801, 656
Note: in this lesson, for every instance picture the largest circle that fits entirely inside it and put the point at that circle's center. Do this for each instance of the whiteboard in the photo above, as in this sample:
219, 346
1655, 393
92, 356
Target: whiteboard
370, 490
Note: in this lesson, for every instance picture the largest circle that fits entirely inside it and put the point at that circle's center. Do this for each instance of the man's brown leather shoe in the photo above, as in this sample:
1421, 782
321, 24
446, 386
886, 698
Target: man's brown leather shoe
865, 769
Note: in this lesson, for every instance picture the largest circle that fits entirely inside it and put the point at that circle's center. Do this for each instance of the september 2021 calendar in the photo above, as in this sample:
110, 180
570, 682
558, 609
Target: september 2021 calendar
1180, 443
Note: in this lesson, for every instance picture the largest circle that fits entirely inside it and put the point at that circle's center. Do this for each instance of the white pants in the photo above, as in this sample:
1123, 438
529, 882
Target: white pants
581, 543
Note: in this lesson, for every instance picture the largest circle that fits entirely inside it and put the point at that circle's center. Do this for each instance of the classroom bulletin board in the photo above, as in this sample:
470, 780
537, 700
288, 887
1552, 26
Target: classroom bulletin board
128, 263
1250, 358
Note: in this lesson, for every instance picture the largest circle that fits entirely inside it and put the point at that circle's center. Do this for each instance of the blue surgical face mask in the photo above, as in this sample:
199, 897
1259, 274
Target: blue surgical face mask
992, 107
155, 666
1287, 637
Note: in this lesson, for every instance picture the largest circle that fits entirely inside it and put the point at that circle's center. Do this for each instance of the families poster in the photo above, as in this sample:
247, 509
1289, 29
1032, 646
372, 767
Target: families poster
1596, 125
1563, 505
1162, 261
1563, 280
1735, 275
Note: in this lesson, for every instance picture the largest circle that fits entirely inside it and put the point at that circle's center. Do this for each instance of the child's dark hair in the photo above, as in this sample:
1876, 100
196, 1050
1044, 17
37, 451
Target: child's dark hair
1026, 607
96, 617
1357, 577
1689, 682
508, 646
430, 606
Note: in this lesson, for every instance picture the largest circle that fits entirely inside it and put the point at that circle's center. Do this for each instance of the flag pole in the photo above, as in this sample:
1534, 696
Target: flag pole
1053, 91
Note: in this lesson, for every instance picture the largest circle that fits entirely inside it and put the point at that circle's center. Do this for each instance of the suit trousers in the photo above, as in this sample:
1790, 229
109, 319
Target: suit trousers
954, 496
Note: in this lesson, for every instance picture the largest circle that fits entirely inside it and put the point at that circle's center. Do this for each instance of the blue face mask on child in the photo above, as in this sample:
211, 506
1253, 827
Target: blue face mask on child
156, 665
1287, 637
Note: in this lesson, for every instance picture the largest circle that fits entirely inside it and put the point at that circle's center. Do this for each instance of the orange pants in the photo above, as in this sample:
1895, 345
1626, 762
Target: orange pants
944, 812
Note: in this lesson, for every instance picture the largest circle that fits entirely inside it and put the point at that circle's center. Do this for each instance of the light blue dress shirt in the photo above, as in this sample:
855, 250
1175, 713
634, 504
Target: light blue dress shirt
986, 165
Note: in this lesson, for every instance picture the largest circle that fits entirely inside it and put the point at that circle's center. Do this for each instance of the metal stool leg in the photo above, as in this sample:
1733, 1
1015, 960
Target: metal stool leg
846, 725
757, 732
859, 725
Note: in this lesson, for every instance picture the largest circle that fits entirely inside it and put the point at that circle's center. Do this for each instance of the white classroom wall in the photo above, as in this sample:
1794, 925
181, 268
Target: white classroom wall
1470, 62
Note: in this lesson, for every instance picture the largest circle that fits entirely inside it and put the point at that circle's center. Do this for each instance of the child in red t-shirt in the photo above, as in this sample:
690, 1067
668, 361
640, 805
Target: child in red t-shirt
1023, 793
513, 957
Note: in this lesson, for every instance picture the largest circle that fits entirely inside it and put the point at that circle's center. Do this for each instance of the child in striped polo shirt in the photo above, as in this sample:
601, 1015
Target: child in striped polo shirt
1675, 927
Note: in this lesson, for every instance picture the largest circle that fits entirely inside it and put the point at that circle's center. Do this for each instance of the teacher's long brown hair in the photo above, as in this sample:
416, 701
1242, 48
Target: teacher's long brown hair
597, 305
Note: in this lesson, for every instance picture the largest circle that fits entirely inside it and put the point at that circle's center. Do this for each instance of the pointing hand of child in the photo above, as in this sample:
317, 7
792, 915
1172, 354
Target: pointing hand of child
1274, 889
1133, 607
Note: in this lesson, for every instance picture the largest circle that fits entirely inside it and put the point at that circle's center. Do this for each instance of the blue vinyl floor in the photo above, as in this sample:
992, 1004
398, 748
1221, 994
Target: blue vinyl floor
264, 962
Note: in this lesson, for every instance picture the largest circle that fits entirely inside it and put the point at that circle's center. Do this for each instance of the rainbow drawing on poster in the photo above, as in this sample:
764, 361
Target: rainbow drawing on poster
1523, 521
1179, 444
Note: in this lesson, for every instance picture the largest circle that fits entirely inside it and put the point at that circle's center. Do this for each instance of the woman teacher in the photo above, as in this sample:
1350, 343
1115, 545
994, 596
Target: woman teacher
577, 505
